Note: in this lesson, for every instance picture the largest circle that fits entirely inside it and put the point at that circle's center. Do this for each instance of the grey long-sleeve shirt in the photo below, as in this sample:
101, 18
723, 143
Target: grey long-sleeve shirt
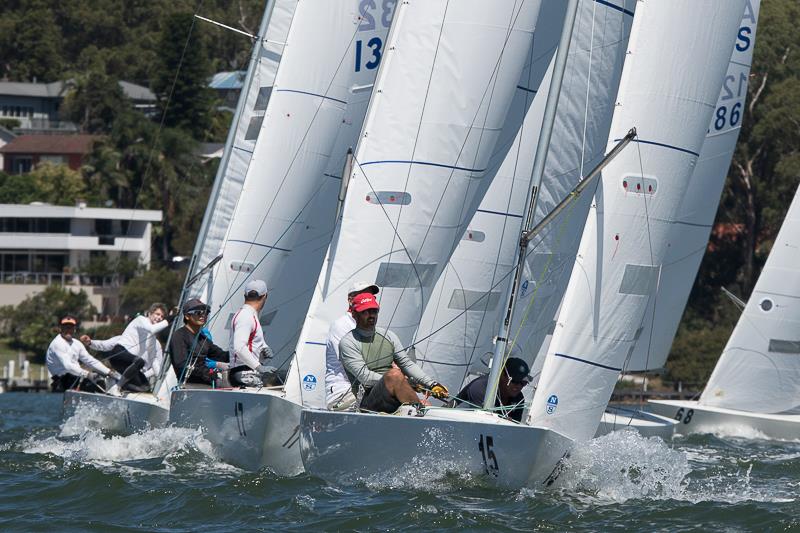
356, 365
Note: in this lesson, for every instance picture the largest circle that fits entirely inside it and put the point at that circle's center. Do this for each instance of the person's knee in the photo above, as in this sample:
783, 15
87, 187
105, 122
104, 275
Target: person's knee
394, 376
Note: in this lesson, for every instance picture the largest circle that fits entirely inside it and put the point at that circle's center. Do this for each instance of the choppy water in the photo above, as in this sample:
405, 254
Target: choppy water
170, 480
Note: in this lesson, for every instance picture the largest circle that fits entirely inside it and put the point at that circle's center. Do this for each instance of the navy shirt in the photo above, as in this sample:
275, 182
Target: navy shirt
475, 391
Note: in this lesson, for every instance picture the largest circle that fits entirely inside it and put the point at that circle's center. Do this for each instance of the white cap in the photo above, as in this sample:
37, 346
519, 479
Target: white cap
363, 286
256, 285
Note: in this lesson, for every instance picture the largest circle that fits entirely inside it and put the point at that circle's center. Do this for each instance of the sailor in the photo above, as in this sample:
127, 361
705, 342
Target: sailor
509, 399
248, 350
65, 356
191, 344
137, 353
338, 390
374, 360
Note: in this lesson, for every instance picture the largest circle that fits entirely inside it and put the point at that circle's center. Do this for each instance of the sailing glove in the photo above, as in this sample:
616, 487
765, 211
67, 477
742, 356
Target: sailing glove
439, 391
217, 365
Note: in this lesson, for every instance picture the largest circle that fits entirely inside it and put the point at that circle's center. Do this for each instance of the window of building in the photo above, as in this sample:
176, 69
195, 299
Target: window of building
21, 164
34, 225
103, 226
53, 159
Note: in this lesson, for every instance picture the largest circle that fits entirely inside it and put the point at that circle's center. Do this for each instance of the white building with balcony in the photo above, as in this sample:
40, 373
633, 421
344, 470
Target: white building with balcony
45, 244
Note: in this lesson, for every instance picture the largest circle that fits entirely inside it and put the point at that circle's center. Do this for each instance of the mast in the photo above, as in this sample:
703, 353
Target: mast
538, 170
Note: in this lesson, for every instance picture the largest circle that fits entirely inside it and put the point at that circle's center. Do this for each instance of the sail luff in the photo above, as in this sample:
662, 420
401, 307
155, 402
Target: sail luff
668, 93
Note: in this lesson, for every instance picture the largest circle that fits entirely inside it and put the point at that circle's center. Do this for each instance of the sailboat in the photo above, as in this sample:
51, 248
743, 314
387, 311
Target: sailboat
284, 216
669, 91
138, 411
755, 387
692, 226
669, 95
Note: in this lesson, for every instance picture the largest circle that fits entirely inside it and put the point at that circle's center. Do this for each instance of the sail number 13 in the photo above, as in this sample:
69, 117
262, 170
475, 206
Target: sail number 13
369, 53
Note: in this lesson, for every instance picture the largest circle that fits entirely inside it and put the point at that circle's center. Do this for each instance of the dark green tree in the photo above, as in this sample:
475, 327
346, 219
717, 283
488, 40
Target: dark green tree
155, 285
181, 80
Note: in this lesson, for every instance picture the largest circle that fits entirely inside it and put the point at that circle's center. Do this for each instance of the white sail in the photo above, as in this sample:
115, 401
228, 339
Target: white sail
246, 126
477, 275
421, 165
285, 216
759, 369
696, 216
677, 58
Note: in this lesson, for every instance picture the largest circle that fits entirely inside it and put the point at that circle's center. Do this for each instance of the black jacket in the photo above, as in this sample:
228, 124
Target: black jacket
183, 345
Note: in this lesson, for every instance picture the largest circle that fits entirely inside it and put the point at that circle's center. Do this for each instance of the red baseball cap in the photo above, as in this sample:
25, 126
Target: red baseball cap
364, 301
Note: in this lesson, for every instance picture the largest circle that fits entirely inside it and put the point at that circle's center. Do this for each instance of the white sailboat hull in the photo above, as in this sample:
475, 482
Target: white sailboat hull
123, 415
249, 428
647, 424
357, 447
697, 418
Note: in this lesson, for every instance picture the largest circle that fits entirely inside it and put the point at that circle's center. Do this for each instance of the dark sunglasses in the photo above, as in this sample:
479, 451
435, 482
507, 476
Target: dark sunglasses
197, 312
520, 382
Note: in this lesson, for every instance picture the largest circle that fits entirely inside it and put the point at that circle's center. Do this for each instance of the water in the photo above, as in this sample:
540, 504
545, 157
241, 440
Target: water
170, 480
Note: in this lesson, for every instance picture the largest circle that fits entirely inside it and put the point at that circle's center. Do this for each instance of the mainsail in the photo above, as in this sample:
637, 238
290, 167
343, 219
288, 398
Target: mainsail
759, 369
466, 310
670, 82
692, 226
421, 165
246, 126
285, 215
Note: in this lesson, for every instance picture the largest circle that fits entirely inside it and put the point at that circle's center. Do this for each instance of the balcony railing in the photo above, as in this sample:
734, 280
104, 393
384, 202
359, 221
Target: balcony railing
60, 278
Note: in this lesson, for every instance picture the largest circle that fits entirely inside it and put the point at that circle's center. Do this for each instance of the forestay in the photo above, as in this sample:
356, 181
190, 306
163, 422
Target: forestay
465, 312
759, 369
421, 165
678, 55
246, 126
691, 228
285, 216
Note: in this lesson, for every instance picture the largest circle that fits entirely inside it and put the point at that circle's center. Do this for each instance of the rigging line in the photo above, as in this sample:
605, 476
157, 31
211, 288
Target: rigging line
452, 172
395, 235
291, 165
588, 90
529, 98
658, 282
157, 137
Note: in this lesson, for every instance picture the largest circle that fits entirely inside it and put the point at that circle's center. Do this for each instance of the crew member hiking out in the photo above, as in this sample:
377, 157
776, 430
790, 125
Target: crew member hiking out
248, 350
375, 361
195, 358
137, 354
64, 358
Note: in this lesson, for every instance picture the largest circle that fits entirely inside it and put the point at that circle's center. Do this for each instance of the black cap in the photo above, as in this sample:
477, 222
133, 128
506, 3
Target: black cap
194, 304
517, 369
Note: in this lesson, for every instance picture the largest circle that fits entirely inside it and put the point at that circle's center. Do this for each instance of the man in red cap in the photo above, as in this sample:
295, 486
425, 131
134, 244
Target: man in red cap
376, 362
338, 389
64, 358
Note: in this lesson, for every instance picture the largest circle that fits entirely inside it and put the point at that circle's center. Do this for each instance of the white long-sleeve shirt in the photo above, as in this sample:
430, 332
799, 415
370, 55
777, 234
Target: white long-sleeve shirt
64, 357
336, 380
247, 339
153, 358
139, 338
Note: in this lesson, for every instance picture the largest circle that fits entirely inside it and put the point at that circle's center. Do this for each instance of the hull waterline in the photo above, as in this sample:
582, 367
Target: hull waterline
347, 448
249, 428
695, 418
647, 424
121, 415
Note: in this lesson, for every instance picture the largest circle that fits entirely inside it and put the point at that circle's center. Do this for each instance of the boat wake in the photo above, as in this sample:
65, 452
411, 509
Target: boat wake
623, 466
